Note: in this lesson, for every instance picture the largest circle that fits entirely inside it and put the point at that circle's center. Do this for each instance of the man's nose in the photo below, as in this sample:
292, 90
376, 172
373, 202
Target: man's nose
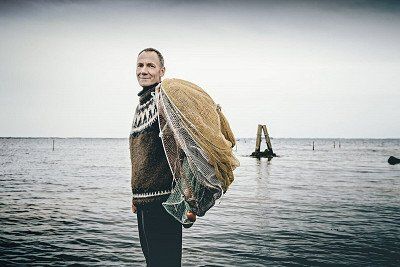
143, 71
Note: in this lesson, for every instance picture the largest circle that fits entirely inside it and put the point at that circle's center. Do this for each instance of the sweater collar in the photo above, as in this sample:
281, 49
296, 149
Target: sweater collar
145, 93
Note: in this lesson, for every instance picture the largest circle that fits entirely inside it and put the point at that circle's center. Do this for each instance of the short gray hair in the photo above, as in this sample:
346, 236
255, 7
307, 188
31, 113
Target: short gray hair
160, 56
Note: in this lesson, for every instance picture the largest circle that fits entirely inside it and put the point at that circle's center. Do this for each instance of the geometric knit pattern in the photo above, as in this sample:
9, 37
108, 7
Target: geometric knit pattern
145, 116
152, 194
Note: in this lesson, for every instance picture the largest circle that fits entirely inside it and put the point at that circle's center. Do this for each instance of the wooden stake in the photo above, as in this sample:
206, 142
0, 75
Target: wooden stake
53, 144
258, 141
312, 145
267, 140
268, 152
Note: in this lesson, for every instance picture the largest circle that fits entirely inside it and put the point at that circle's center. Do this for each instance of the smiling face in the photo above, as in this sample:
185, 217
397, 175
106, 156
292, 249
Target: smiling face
148, 68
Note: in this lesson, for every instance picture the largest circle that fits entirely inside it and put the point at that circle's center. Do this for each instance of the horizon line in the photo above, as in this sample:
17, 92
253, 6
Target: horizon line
237, 138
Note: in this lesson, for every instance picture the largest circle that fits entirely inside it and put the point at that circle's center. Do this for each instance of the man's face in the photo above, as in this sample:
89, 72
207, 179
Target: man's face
148, 69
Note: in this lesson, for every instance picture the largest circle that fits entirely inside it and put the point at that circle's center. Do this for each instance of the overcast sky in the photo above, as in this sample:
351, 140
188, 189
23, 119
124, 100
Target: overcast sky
304, 68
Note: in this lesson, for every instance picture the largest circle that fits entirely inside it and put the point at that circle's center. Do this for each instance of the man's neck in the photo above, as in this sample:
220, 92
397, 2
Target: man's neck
145, 93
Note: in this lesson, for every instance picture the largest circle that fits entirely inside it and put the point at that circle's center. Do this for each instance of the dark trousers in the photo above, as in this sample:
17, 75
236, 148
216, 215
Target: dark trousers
160, 236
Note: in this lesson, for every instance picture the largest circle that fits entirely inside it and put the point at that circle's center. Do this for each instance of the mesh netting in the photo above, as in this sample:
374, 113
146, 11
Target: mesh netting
198, 144
205, 123
196, 186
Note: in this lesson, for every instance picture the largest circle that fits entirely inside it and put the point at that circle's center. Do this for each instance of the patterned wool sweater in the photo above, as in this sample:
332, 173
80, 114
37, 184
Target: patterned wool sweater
151, 178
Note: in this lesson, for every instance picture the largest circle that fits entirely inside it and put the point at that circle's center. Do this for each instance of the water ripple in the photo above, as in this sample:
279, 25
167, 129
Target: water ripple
71, 206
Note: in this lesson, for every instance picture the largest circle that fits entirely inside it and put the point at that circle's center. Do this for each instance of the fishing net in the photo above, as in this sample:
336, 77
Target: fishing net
198, 144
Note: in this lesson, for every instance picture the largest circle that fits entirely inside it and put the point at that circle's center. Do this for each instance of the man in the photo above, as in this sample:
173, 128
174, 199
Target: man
160, 234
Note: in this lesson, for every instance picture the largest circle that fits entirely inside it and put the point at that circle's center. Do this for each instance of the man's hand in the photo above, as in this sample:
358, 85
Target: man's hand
134, 208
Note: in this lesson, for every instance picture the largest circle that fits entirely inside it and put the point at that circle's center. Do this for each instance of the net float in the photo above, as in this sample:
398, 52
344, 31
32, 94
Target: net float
191, 216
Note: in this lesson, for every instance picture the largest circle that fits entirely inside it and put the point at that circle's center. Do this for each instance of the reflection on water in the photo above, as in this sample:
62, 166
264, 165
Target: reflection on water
330, 206
263, 167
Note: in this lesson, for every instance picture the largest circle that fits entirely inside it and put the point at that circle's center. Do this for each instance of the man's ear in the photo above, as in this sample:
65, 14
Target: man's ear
162, 71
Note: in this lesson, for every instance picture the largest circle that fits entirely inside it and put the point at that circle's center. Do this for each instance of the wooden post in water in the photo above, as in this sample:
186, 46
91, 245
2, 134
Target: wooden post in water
312, 145
334, 144
258, 140
339, 144
266, 135
269, 153
53, 144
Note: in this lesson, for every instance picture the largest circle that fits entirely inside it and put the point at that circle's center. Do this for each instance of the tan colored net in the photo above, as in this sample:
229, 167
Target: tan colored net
198, 143
201, 117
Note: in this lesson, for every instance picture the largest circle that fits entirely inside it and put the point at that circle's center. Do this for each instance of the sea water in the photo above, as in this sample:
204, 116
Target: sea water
337, 206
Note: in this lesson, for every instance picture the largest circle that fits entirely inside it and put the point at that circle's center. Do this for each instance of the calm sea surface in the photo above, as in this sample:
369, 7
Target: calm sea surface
328, 207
